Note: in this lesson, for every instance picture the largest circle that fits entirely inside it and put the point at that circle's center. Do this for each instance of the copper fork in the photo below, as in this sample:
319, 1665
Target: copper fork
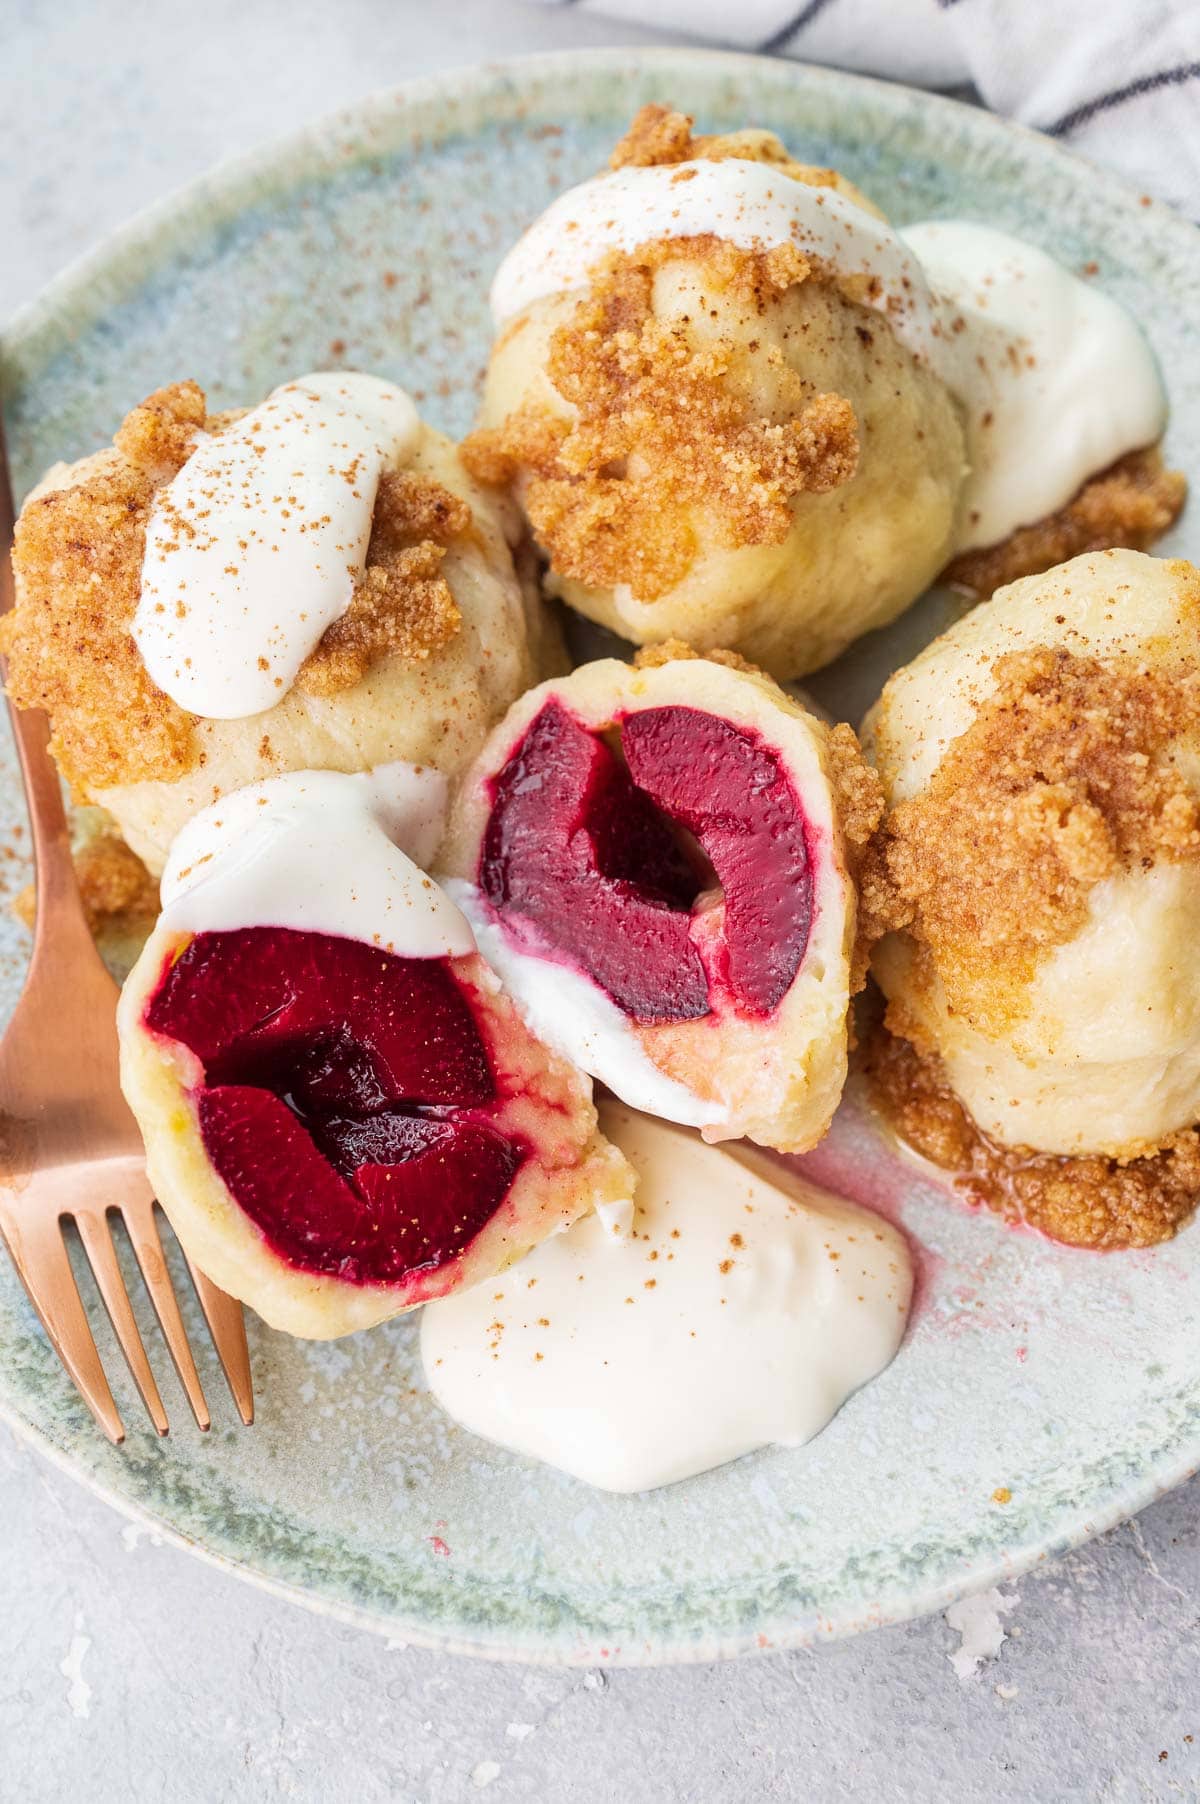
70, 1149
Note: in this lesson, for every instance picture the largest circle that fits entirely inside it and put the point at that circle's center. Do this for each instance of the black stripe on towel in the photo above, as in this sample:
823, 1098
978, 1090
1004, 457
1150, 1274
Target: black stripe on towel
1104, 103
795, 24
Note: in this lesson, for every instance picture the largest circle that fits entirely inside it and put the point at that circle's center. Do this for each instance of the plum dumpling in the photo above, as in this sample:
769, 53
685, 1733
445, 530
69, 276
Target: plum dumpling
742, 409
1039, 867
715, 434
214, 600
660, 860
344, 1115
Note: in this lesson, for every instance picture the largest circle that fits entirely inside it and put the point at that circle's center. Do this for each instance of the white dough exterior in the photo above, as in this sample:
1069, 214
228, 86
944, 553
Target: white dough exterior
740, 1309
1106, 1059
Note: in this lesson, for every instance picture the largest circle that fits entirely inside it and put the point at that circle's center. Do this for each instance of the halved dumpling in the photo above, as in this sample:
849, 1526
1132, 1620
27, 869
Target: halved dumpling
655, 859
339, 1133
706, 399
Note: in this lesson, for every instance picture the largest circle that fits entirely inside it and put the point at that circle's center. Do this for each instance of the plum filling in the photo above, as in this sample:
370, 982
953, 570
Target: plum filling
346, 1097
586, 846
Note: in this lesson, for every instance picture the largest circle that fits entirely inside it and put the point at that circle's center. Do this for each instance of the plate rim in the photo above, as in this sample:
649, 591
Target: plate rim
100, 276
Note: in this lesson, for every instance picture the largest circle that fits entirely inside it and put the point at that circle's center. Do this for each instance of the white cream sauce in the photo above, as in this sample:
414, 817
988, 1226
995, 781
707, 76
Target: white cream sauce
739, 1308
252, 550
571, 1014
321, 852
1054, 378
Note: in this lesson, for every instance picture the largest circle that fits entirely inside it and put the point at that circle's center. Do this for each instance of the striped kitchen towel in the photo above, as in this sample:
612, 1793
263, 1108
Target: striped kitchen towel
1118, 80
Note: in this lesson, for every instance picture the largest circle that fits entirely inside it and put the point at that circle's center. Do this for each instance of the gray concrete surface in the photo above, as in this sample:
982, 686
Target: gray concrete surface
129, 1671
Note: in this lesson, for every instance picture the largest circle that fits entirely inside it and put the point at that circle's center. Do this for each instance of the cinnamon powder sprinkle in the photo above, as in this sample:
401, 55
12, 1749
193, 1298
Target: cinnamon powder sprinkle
1064, 778
1086, 1201
1130, 504
78, 556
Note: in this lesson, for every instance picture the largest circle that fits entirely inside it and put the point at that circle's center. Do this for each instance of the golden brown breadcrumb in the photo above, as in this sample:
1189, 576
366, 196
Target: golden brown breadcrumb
671, 651
1086, 1201
859, 802
402, 605
664, 428
113, 882
77, 558
659, 137
158, 437
78, 562
1130, 504
1064, 777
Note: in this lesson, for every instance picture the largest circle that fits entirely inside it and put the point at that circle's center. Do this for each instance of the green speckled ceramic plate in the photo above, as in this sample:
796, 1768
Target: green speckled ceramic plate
1068, 1381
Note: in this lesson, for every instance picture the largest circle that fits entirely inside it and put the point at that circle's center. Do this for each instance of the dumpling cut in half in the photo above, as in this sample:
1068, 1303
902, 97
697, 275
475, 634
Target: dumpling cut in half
656, 861
1040, 862
217, 599
342, 1124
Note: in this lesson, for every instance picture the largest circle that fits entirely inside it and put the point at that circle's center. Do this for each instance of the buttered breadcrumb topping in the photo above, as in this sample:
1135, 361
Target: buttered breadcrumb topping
1088, 1200
857, 789
1065, 777
78, 561
113, 882
1131, 504
666, 428
660, 137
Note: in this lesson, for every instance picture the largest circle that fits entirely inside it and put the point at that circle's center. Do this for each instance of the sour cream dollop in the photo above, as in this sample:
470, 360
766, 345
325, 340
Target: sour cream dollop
253, 548
737, 1306
1054, 377
321, 853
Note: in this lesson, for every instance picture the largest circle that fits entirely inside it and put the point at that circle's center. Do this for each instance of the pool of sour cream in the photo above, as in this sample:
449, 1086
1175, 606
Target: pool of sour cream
732, 1306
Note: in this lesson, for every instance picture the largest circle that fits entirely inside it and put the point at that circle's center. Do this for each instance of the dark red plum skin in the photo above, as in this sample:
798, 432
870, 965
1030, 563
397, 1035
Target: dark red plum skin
584, 846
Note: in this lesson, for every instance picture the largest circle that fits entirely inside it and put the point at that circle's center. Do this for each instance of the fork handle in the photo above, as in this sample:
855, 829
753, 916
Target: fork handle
58, 897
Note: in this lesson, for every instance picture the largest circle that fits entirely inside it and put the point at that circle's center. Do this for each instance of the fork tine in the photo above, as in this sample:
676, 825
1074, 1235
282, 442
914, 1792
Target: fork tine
102, 1255
142, 1229
227, 1325
43, 1265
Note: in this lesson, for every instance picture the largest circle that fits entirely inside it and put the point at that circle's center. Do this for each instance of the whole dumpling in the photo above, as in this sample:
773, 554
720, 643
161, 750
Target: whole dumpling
732, 446
439, 638
1041, 762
